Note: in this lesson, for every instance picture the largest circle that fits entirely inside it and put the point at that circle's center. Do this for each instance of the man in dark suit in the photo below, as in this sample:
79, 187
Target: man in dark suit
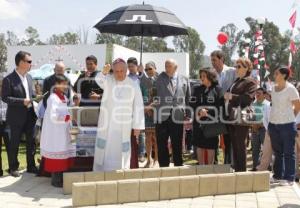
173, 94
49, 82
17, 92
86, 85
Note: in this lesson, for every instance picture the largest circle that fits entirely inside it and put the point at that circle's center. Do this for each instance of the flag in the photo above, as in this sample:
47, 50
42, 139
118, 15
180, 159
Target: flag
293, 47
293, 19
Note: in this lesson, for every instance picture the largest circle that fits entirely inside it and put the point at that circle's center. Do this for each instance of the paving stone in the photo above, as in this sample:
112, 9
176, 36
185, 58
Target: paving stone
208, 185
69, 179
149, 189
244, 182
114, 175
205, 169
169, 188
128, 191
189, 186
107, 192
226, 168
84, 194
93, 176
151, 173
133, 174
187, 170
261, 181
170, 172
226, 183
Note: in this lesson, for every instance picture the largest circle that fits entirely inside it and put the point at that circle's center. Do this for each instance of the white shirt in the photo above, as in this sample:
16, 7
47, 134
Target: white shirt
266, 115
25, 84
282, 110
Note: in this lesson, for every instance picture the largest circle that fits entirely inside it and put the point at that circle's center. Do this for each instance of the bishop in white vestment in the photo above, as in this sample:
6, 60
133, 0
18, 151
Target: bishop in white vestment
121, 110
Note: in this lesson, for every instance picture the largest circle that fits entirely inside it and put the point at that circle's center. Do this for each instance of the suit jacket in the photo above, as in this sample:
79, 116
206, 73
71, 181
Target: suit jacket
49, 82
13, 93
170, 104
85, 87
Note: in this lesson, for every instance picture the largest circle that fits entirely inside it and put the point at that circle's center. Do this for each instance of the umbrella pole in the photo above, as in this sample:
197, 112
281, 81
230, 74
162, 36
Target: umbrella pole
142, 48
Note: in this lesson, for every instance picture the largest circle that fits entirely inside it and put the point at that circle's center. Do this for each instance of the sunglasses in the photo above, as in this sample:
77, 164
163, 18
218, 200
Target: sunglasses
238, 66
28, 61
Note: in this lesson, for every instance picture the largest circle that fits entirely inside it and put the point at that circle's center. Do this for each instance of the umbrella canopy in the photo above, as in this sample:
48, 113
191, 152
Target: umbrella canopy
142, 20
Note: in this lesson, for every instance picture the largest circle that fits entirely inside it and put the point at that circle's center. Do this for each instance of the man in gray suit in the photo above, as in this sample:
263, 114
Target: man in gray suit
226, 77
173, 94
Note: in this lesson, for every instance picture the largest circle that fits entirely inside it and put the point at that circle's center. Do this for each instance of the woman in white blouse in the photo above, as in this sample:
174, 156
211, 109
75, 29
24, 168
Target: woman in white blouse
282, 127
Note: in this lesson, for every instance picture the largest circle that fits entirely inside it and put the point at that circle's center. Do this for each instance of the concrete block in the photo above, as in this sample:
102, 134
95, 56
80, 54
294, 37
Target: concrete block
133, 174
244, 182
208, 185
149, 189
189, 186
93, 176
114, 175
226, 183
169, 188
69, 179
170, 172
151, 173
205, 169
187, 170
261, 181
84, 194
107, 192
128, 191
226, 168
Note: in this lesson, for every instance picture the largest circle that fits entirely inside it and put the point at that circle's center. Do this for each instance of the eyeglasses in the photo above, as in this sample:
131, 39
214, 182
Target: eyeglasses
238, 66
148, 69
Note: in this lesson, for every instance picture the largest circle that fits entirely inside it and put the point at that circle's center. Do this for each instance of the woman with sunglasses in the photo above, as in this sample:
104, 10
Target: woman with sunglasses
282, 127
239, 96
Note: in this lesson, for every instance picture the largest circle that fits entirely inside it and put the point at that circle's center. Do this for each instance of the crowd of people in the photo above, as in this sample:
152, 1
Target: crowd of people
146, 115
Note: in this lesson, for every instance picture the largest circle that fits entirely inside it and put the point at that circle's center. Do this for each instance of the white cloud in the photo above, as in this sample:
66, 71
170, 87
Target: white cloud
13, 9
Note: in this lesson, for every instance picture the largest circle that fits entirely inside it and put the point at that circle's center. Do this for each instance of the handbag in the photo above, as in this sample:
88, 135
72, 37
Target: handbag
213, 129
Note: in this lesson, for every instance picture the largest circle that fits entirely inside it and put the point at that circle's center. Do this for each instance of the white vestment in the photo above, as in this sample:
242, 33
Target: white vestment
121, 110
55, 136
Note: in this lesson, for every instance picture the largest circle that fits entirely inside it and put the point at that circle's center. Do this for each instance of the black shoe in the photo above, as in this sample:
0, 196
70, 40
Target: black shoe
253, 169
1, 173
14, 173
32, 170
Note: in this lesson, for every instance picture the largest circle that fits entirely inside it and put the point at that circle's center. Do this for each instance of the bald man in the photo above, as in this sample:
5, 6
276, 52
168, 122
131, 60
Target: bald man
49, 82
173, 94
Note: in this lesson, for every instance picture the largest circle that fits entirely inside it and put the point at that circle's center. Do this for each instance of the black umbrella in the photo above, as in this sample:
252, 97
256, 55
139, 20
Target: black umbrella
142, 20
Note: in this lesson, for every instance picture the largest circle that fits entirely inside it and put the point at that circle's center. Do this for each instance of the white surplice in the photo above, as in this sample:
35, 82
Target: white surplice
55, 136
121, 110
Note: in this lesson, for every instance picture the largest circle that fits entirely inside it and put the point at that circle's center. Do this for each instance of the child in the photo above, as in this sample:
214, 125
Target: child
56, 148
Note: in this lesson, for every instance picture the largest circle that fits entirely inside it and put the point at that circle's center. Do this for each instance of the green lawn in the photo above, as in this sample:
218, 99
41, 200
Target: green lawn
21, 157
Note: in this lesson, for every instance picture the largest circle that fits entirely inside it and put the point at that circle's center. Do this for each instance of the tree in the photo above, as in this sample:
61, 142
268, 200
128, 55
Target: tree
12, 39
3, 53
275, 44
67, 38
193, 45
234, 37
32, 37
150, 44
108, 38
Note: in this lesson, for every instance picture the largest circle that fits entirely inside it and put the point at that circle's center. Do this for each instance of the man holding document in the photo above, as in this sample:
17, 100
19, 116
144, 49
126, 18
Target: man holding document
18, 93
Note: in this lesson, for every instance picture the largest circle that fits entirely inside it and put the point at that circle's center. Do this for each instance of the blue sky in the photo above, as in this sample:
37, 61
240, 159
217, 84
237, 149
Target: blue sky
206, 16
